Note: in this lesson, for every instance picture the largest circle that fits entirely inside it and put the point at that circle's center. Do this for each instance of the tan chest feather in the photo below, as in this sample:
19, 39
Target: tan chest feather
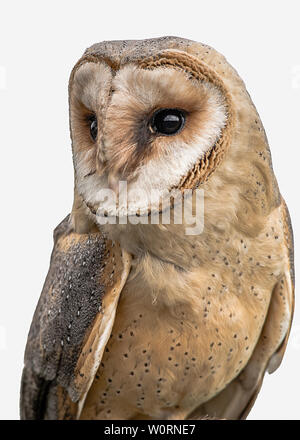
165, 357
163, 366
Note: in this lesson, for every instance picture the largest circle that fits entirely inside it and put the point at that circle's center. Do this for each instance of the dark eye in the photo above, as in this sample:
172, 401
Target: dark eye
168, 121
93, 127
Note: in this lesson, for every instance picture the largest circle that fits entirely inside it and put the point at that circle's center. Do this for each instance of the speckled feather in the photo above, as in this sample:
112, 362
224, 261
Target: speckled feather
200, 318
84, 270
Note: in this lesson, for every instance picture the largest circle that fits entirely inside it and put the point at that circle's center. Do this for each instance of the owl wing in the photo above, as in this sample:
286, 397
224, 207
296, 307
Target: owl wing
237, 399
72, 322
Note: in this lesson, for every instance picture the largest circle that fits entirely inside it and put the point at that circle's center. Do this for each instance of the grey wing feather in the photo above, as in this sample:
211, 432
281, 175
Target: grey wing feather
62, 319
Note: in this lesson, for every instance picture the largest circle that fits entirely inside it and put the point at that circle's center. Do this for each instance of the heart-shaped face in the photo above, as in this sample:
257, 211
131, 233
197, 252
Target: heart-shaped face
149, 124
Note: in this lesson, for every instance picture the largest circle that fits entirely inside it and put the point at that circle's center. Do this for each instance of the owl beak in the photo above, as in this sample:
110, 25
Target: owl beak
100, 165
113, 182
112, 177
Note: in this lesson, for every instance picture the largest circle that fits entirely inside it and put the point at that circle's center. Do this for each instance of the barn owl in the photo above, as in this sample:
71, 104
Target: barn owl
142, 320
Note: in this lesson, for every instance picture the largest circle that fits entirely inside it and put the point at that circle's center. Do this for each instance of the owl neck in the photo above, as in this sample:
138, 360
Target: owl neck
169, 244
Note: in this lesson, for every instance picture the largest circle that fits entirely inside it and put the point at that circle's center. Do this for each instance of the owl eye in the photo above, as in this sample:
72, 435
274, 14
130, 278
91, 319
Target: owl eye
168, 121
93, 127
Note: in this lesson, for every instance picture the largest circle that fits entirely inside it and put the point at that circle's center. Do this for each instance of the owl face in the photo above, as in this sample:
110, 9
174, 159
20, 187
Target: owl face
145, 125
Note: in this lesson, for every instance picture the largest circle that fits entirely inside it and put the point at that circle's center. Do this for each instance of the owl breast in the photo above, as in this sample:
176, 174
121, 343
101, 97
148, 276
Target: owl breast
167, 355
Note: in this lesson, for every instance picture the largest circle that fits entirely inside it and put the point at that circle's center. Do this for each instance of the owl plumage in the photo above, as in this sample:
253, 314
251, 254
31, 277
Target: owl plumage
142, 321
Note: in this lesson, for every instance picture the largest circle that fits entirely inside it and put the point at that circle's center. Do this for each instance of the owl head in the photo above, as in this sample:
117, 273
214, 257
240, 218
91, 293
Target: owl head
158, 115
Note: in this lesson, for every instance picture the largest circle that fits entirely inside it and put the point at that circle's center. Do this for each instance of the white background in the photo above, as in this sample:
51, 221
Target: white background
39, 43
